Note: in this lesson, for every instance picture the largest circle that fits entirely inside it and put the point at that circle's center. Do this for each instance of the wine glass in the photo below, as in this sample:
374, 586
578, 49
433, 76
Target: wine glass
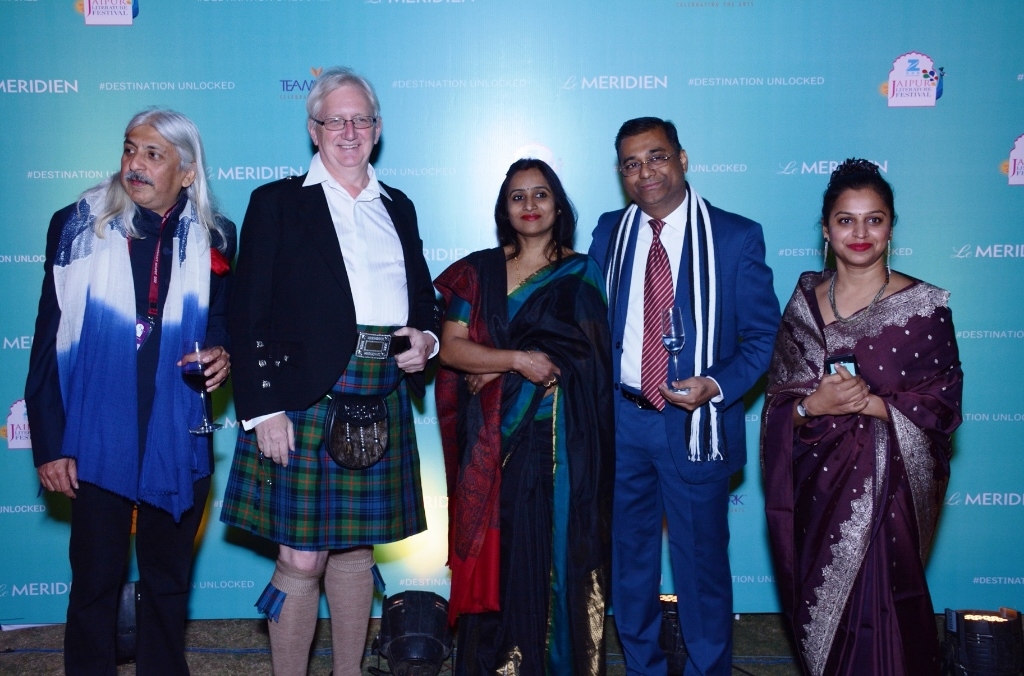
192, 374
673, 337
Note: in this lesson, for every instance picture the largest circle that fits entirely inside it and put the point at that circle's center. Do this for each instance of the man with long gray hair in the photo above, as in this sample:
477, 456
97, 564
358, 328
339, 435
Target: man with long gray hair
135, 277
332, 307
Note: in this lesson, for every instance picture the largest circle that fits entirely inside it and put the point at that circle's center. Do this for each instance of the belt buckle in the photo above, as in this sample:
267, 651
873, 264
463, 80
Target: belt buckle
373, 345
639, 401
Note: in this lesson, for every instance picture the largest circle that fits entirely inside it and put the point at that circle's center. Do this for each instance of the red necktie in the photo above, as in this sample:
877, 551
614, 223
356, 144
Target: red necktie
658, 295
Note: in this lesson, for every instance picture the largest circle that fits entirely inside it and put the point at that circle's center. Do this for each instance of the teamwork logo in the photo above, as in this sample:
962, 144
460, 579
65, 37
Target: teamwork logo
299, 88
108, 12
1015, 165
16, 430
914, 82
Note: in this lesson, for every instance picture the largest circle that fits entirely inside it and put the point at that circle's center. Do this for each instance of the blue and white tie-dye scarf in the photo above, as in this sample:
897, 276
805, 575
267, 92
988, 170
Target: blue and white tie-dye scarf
96, 361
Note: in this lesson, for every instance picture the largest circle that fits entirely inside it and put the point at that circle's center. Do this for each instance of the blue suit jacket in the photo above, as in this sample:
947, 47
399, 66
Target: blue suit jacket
749, 318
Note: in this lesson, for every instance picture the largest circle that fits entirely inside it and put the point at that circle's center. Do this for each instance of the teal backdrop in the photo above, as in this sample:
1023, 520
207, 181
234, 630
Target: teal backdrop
768, 95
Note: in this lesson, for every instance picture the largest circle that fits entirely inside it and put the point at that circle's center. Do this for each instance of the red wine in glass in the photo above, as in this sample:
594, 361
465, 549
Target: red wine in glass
192, 374
194, 377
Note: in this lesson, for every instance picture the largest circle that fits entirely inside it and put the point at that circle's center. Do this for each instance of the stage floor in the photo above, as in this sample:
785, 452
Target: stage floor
229, 647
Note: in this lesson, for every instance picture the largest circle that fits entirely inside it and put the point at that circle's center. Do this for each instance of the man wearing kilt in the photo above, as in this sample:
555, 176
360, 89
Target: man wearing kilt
333, 297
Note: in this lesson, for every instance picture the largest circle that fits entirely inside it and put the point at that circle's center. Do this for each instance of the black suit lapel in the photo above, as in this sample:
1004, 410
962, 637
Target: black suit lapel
410, 242
316, 216
402, 226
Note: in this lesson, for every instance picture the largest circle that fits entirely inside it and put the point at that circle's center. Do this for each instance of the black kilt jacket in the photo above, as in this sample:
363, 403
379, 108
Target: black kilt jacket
291, 318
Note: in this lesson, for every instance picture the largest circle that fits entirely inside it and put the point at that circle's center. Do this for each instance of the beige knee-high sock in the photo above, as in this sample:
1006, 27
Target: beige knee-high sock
349, 586
292, 635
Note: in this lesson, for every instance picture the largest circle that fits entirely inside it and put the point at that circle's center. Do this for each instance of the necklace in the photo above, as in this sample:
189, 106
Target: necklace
515, 259
832, 299
519, 278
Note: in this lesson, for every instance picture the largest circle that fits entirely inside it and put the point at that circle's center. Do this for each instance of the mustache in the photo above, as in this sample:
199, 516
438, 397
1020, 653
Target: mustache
138, 176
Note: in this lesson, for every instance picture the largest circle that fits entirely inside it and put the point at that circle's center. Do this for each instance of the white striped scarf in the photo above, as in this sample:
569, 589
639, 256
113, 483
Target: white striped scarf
703, 434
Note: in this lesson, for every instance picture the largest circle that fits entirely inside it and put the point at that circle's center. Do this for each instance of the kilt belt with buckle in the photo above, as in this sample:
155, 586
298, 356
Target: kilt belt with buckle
380, 345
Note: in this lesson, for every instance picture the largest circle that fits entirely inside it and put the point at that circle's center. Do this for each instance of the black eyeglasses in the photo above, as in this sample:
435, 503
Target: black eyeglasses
632, 168
338, 123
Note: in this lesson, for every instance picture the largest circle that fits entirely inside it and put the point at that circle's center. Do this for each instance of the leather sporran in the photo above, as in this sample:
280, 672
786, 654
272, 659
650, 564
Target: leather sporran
356, 430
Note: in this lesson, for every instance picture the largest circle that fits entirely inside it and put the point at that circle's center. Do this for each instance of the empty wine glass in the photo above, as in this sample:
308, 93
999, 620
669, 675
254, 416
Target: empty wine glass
673, 337
192, 374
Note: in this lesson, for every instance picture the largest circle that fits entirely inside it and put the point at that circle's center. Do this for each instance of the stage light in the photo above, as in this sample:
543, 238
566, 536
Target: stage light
983, 642
414, 636
671, 637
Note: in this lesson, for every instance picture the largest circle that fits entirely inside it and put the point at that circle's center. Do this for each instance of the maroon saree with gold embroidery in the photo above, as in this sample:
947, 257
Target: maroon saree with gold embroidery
852, 501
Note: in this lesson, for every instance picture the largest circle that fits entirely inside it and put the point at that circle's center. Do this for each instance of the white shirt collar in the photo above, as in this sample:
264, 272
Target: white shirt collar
318, 174
675, 220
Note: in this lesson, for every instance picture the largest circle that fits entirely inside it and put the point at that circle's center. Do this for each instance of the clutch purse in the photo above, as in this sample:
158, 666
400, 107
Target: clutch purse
356, 430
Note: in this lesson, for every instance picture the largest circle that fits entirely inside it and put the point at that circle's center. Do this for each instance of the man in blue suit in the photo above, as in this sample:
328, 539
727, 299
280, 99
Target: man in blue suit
677, 448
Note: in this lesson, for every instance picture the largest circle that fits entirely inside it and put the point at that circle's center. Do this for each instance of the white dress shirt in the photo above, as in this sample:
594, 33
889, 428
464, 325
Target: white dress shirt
371, 250
673, 236
369, 246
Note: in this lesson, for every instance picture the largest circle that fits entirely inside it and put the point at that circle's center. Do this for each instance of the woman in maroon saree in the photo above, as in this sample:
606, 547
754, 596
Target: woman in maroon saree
856, 463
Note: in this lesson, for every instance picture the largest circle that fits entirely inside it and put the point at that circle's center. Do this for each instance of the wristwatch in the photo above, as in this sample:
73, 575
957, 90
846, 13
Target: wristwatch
800, 410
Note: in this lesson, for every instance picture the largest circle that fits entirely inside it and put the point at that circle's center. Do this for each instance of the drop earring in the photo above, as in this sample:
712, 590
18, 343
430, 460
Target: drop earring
888, 258
824, 258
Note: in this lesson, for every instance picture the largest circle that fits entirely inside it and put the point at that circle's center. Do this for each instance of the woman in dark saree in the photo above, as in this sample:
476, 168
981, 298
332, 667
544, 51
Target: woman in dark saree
856, 463
524, 404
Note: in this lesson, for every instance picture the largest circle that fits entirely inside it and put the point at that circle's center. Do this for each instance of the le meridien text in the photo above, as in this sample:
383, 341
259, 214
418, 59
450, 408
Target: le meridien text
14, 86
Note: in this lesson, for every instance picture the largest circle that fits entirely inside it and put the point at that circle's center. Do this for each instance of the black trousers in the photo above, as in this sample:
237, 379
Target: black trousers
101, 525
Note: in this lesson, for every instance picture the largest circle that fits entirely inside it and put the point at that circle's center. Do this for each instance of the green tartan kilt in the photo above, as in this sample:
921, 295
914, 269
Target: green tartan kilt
313, 504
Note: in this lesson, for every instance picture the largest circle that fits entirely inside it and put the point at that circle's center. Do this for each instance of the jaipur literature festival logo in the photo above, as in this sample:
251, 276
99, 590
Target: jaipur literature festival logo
1015, 165
108, 12
16, 430
914, 82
